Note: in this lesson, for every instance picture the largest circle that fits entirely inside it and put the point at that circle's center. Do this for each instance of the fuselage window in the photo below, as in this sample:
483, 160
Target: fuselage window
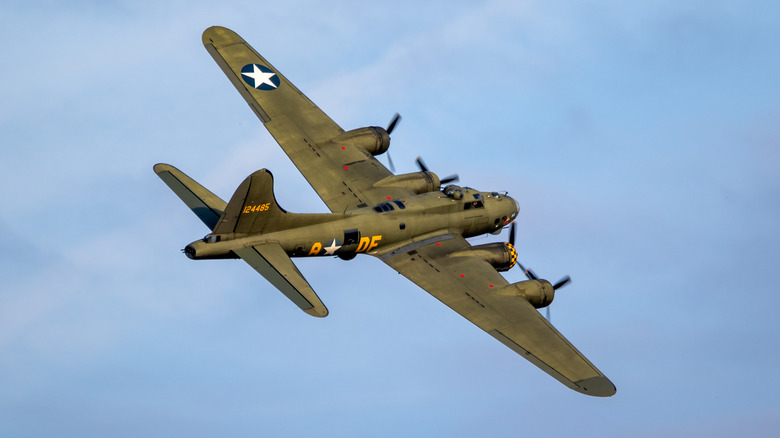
384, 208
210, 238
473, 204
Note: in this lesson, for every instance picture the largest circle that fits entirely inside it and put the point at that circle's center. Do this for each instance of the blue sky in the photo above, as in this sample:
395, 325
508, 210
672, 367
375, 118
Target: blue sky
641, 140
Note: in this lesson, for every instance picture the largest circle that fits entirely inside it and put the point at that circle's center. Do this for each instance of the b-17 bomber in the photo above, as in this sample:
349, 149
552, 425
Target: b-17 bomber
417, 223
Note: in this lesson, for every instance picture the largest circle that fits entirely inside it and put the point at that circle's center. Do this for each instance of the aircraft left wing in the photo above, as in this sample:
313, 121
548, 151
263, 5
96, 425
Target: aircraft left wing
342, 176
473, 288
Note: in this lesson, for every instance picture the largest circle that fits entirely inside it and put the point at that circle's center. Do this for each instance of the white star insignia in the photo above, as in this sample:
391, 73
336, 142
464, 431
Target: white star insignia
330, 250
260, 77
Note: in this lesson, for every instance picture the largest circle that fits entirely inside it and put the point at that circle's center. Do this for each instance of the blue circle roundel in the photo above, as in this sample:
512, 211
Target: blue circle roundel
260, 77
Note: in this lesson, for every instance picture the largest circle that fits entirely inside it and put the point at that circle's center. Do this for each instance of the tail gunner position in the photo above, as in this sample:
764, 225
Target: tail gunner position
408, 221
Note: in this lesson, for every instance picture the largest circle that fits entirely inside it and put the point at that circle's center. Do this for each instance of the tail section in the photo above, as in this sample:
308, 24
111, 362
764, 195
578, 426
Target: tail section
253, 208
206, 205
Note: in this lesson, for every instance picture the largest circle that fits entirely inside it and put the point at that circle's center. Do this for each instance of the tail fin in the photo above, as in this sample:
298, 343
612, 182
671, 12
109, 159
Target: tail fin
253, 208
206, 205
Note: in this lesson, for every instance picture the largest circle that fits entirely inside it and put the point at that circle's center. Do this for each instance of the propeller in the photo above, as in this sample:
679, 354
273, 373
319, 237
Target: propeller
390, 127
424, 168
396, 118
531, 275
420, 163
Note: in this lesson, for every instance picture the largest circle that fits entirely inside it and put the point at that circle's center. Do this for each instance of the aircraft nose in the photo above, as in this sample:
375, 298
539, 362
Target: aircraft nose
517, 205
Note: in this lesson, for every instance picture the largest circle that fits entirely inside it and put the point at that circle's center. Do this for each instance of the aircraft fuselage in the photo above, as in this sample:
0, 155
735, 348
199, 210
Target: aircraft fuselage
364, 230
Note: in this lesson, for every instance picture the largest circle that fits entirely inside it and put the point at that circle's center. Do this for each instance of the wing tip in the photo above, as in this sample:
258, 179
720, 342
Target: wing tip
317, 311
598, 386
162, 167
220, 36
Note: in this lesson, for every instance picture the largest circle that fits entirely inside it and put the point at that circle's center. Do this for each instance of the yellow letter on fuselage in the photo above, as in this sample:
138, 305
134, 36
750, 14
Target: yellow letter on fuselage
367, 244
315, 249
374, 242
363, 245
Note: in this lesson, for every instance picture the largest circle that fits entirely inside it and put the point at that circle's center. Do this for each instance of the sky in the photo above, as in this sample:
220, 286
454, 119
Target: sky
641, 139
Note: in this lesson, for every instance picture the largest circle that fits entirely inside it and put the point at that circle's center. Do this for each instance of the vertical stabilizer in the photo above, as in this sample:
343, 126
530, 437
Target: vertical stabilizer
253, 208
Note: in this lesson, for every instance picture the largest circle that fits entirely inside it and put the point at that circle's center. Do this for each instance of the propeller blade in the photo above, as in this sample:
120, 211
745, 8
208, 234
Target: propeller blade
421, 164
548, 314
512, 234
449, 179
396, 118
423, 168
528, 273
562, 282
390, 162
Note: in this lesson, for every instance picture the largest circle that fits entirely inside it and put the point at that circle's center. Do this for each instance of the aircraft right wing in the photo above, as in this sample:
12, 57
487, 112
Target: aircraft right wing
342, 176
479, 293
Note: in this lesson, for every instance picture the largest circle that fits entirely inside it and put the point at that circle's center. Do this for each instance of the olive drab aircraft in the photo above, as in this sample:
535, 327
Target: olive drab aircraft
408, 221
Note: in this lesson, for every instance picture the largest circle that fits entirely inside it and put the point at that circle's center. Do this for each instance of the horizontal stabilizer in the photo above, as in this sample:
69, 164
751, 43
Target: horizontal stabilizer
270, 261
206, 205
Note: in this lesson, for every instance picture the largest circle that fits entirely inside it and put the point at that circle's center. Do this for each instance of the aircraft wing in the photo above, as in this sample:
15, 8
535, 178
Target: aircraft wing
343, 177
471, 287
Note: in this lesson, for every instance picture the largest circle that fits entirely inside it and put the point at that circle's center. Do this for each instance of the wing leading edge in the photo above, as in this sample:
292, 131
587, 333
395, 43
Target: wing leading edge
473, 288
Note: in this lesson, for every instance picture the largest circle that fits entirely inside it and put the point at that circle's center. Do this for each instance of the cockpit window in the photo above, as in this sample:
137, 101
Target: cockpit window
400, 204
477, 196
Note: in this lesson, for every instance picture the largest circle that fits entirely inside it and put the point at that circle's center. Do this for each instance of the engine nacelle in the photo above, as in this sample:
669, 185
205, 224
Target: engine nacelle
501, 256
373, 139
539, 293
418, 182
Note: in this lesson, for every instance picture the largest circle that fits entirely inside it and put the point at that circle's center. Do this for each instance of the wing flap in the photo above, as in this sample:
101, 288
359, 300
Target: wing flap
270, 261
